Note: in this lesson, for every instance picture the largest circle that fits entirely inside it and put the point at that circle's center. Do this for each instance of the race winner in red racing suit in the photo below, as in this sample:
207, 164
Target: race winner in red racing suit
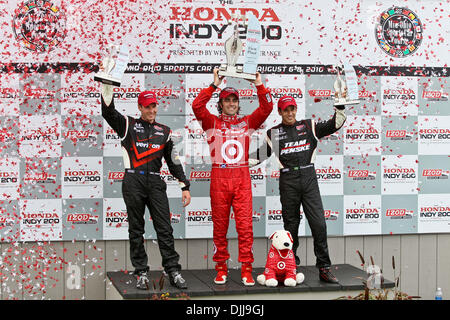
294, 145
144, 143
229, 137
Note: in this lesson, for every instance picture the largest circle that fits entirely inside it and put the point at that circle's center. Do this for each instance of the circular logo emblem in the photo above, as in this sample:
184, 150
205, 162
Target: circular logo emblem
232, 151
39, 25
281, 265
399, 32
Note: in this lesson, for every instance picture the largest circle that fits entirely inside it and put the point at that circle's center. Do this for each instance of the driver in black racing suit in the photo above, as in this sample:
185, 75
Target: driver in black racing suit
144, 144
294, 145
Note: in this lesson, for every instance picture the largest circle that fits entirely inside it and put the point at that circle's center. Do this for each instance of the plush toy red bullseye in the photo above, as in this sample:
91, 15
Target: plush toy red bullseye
280, 264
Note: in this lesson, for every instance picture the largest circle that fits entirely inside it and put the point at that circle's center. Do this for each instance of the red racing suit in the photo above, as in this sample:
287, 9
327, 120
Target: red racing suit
229, 139
279, 267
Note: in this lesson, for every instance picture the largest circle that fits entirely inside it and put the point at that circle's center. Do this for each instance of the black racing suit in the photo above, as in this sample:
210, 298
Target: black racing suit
144, 145
295, 148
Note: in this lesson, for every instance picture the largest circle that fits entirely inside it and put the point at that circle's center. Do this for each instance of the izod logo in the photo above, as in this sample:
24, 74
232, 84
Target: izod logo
80, 135
200, 175
435, 95
321, 93
82, 218
116, 175
436, 173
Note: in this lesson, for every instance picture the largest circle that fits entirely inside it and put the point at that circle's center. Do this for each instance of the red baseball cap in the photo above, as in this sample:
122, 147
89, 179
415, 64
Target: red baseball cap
285, 102
147, 97
227, 91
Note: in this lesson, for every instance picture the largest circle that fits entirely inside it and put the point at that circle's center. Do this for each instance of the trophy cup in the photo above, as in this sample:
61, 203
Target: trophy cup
233, 47
114, 66
346, 90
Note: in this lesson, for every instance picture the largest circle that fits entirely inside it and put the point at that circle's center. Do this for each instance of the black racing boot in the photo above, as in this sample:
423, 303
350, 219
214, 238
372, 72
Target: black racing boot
325, 275
176, 280
142, 280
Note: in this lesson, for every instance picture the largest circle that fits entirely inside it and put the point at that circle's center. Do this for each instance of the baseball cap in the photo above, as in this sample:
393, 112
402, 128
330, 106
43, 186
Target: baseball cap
147, 97
285, 102
227, 91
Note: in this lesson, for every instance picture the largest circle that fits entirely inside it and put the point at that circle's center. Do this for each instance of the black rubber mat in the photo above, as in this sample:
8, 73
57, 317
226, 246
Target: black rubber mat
201, 283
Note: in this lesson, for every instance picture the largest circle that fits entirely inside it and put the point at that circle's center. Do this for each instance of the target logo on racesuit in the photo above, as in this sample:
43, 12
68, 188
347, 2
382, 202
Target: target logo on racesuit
232, 151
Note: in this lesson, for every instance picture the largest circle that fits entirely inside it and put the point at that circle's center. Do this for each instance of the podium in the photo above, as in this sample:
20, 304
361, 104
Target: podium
201, 285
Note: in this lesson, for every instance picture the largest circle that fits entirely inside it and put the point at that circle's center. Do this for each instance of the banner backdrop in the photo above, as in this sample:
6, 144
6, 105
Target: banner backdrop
385, 172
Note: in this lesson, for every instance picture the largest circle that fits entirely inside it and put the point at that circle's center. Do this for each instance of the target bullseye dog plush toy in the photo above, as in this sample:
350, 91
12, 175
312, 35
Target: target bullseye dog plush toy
280, 264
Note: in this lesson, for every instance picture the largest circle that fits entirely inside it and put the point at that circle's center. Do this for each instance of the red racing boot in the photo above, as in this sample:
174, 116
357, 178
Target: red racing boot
222, 273
246, 274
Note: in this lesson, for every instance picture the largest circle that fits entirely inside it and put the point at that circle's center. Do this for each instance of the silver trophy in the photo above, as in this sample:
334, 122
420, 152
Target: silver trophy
233, 48
346, 90
114, 65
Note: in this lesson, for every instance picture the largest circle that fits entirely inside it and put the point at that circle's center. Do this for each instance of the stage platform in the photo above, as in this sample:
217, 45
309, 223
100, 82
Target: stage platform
122, 285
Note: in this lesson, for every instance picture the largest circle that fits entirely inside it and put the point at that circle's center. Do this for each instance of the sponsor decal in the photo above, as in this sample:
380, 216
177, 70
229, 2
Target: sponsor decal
275, 215
295, 146
331, 215
9, 177
9, 93
321, 94
39, 177
199, 216
399, 213
49, 134
367, 95
111, 135
39, 25
433, 174
395, 135
434, 95
209, 23
362, 134
362, 213
40, 218
119, 218
200, 175
328, 174
399, 173
434, 211
277, 93
80, 93
399, 94
256, 216
399, 32
275, 174
434, 133
362, 175
116, 176
81, 135
82, 218
82, 176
